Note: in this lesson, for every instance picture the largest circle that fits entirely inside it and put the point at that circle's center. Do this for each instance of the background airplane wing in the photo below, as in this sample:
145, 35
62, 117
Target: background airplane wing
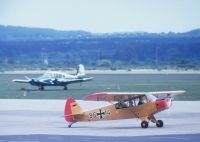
21, 81
73, 80
113, 96
67, 81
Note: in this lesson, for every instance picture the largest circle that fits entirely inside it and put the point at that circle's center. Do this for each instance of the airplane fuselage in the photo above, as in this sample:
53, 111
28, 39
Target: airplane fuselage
115, 112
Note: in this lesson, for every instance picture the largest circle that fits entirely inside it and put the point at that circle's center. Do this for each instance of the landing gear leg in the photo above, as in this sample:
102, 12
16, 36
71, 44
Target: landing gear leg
65, 88
159, 123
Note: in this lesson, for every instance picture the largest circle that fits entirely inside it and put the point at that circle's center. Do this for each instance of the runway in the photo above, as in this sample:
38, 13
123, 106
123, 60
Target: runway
35, 120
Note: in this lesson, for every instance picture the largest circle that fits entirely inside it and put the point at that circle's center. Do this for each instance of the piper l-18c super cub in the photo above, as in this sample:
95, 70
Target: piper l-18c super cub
124, 105
57, 79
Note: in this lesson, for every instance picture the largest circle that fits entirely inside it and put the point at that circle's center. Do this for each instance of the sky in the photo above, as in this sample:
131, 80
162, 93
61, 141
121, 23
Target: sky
103, 16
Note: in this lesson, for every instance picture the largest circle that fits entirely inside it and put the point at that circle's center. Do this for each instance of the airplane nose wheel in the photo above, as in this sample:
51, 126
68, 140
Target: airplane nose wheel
65, 88
159, 123
41, 88
144, 124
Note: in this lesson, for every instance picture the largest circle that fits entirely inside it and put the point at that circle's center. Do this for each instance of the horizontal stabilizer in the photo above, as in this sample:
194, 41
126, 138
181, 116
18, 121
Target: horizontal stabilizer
73, 114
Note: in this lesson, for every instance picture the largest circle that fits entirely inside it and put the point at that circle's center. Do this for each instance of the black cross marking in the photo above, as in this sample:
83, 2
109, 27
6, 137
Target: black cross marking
101, 113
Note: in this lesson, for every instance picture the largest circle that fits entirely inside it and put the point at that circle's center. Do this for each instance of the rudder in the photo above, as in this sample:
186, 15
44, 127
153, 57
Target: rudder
81, 70
71, 108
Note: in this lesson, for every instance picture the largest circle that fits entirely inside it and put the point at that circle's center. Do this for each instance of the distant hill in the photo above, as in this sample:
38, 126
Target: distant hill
193, 33
43, 48
24, 33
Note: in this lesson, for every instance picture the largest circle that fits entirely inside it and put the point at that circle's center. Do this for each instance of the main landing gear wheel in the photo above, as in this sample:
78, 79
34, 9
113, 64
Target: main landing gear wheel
144, 124
159, 123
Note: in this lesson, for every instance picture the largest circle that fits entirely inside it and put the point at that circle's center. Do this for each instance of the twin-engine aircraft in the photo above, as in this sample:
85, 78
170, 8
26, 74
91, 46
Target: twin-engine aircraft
57, 79
124, 105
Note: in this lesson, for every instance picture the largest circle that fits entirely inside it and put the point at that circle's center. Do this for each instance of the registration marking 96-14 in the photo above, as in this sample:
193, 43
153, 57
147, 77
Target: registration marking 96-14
99, 114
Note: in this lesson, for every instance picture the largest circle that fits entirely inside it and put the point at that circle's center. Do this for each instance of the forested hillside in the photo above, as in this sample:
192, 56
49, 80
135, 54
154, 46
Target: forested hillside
43, 48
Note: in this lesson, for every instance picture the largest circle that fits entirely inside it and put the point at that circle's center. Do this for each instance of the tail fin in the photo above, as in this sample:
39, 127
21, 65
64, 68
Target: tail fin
71, 108
81, 70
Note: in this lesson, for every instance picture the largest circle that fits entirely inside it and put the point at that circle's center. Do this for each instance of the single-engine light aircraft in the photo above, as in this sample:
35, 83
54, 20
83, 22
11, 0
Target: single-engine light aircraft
124, 105
57, 79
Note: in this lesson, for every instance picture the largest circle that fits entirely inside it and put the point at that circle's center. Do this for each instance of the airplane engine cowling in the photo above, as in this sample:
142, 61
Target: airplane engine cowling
55, 81
162, 104
32, 81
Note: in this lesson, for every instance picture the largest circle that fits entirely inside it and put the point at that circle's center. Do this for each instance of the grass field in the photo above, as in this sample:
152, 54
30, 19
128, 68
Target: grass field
108, 82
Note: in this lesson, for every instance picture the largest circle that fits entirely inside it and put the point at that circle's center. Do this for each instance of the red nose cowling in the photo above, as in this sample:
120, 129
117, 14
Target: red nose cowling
163, 104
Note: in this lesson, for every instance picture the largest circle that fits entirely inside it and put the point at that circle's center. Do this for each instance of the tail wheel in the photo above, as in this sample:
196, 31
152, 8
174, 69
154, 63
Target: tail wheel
70, 124
159, 123
144, 124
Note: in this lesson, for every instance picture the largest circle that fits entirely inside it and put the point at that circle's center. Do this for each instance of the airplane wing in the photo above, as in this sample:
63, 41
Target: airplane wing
117, 96
164, 94
21, 81
113, 96
66, 81
73, 80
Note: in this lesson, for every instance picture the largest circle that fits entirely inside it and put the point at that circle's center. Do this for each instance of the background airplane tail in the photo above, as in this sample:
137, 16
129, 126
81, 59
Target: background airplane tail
80, 70
71, 109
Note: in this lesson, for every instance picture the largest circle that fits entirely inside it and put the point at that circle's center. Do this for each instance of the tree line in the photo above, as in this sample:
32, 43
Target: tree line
106, 51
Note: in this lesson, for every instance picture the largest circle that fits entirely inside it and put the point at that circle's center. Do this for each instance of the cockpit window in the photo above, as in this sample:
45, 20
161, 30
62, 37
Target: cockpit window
46, 75
121, 105
131, 102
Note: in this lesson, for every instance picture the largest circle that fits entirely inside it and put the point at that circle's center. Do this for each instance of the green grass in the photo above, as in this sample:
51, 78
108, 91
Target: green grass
116, 82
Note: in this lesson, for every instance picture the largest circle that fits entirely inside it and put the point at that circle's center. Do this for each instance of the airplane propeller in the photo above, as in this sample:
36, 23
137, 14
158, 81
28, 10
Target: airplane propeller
27, 78
55, 81
32, 80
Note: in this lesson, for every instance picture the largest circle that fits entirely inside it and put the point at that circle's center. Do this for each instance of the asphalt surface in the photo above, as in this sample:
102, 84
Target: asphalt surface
61, 138
42, 120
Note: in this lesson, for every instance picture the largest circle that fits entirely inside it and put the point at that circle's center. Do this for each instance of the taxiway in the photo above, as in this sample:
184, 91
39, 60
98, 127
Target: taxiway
45, 118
